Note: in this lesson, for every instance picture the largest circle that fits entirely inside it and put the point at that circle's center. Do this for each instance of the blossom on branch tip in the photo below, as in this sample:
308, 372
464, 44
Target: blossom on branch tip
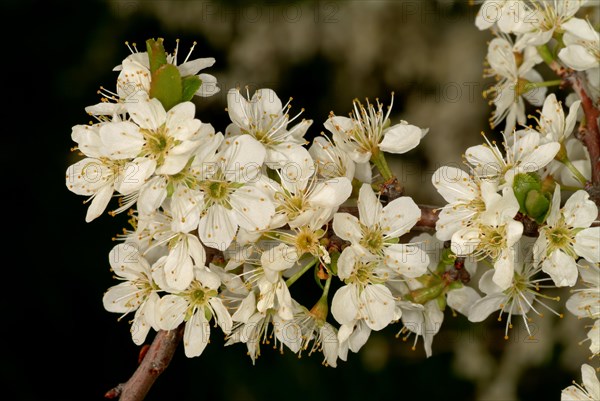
368, 131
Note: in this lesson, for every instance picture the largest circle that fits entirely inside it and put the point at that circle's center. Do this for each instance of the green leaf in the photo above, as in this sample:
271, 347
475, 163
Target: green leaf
190, 85
537, 205
522, 184
166, 86
156, 54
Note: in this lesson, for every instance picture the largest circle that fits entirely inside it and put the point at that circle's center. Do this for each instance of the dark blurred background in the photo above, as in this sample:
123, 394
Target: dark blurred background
64, 345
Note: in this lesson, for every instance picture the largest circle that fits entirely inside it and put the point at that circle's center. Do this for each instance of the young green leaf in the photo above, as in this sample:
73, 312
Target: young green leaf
190, 85
156, 54
166, 86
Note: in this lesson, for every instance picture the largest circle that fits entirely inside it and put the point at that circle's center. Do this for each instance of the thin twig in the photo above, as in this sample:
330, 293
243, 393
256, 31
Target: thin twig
155, 362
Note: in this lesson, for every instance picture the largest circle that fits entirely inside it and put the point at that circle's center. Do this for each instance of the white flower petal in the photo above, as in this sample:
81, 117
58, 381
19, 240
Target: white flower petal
99, 203
454, 184
122, 140
222, 315
464, 241
192, 67
126, 262
196, 334
347, 227
504, 269
579, 210
121, 298
171, 311
377, 306
331, 193
484, 307
148, 115
369, 207
217, 228
344, 306
179, 268
577, 57
242, 159
408, 260
562, 268
399, 216
400, 138
587, 244
590, 381
462, 299
134, 174
253, 209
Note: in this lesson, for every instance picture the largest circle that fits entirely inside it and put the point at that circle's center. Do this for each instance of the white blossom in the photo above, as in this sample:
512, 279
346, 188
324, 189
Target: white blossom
582, 45
465, 195
514, 77
544, 20
137, 293
377, 230
99, 175
525, 153
507, 15
368, 131
493, 235
364, 295
589, 391
585, 302
521, 296
195, 306
265, 119
566, 236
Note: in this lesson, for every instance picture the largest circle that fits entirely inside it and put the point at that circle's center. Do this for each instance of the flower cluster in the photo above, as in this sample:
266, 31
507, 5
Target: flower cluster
256, 197
223, 225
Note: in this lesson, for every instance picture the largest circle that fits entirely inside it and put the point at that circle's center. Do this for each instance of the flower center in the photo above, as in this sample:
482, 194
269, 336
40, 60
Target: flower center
307, 241
158, 143
217, 192
560, 237
493, 240
372, 240
291, 205
363, 274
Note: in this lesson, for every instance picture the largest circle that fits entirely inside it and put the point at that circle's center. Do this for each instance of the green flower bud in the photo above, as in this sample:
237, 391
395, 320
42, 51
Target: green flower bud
522, 184
537, 205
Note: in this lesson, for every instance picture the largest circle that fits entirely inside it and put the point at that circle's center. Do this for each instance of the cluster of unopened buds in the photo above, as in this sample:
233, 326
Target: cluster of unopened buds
223, 225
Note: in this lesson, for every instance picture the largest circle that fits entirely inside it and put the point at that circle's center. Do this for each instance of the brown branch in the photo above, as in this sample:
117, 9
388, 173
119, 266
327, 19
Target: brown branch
155, 362
588, 133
